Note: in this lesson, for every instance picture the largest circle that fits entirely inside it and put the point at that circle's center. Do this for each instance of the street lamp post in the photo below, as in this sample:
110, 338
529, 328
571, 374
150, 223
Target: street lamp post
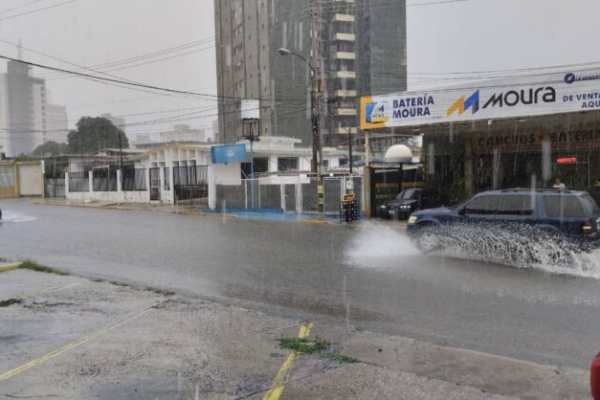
317, 161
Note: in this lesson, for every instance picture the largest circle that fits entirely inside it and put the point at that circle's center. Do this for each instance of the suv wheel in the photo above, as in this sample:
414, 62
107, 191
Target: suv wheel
428, 240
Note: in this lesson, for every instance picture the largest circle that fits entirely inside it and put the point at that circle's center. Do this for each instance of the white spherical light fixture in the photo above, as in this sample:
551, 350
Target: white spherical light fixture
399, 154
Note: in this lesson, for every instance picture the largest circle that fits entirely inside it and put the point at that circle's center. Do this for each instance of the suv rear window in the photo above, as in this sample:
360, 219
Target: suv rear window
563, 207
589, 205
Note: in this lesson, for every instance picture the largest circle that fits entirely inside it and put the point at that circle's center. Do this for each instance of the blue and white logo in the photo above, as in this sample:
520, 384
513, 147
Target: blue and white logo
571, 78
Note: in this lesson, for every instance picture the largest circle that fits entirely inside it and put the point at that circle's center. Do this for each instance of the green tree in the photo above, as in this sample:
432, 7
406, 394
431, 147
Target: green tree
50, 148
94, 134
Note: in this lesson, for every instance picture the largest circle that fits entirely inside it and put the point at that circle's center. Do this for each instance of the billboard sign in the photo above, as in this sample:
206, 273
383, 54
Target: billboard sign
228, 154
250, 109
526, 96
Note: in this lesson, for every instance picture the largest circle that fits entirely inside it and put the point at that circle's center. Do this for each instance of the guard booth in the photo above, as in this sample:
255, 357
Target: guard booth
387, 176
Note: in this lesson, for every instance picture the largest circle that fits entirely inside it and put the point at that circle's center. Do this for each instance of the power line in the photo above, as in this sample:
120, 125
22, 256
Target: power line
117, 81
21, 6
37, 10
141, 57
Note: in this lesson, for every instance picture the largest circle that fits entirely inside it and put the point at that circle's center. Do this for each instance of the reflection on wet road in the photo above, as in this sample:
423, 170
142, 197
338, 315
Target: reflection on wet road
368, 276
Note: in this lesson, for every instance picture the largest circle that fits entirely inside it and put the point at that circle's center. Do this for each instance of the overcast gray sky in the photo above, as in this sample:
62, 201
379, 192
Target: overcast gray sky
473, 35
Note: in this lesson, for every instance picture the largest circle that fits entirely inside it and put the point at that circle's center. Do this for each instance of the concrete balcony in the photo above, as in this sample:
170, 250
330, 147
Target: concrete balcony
345, 93
343, 18
345, 37
345, 75
345, 55
345, 112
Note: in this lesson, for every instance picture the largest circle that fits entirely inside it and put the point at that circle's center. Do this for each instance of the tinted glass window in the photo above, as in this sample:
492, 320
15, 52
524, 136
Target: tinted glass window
407, 194
482, 206
515, 205
563, 207
589, 205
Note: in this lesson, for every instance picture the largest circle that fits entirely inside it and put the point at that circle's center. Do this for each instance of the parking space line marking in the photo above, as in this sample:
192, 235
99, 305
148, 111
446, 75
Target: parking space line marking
286, 369
72, 345
10, 267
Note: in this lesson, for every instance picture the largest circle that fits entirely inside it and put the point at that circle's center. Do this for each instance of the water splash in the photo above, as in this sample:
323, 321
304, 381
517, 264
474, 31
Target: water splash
374, 241
16, 217
525, 247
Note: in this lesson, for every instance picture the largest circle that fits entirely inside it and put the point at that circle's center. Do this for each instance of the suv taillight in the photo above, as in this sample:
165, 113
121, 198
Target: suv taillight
587, 228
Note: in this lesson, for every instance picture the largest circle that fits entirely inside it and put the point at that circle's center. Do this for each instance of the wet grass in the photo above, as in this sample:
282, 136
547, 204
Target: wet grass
342, 359
304, 345
163, 292
10, 302
318, 346
34, 266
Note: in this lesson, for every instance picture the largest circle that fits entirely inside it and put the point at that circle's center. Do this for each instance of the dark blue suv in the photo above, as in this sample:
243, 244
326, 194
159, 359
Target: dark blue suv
571, 217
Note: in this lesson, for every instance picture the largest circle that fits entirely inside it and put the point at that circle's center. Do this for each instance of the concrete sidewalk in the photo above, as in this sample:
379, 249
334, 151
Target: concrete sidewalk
70, 337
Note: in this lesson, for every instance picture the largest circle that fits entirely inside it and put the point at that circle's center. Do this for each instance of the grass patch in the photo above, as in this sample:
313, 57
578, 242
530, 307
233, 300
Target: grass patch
322, 347
34, 266
10, 302
3, 260
304, 345
342, 359
164, 292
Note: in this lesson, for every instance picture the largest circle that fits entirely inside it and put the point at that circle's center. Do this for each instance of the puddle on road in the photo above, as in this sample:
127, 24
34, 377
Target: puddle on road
16, 217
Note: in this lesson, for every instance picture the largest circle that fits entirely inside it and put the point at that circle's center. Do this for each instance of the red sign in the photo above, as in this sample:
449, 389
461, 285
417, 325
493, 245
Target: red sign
567, 160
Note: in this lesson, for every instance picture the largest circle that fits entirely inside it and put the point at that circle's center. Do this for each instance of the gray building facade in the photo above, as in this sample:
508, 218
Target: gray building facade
359, 45
26, 109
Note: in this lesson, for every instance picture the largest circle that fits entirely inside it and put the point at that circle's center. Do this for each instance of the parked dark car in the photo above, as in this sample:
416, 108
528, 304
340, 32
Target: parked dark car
558, 214
409, 201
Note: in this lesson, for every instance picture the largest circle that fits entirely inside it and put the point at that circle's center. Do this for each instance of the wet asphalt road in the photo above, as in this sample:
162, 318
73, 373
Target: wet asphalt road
368, 276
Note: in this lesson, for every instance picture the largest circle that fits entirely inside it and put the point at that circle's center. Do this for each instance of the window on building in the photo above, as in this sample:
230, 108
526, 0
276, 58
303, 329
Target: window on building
261, 166
287, 164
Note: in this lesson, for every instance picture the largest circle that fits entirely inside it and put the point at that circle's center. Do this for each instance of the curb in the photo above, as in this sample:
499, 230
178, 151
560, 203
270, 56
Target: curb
10, 267
313, 222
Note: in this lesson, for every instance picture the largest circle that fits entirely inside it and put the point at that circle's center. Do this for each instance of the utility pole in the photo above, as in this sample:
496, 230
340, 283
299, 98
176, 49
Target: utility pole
315, 15
120, 152
350, 149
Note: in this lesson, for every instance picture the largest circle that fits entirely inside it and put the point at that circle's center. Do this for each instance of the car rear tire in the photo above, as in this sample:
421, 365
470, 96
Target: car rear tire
428, 240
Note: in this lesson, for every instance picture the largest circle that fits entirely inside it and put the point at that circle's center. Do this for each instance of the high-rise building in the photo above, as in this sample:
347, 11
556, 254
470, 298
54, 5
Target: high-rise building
361, 50
57, 123
117, 121
25, 109
26, 118
381, 46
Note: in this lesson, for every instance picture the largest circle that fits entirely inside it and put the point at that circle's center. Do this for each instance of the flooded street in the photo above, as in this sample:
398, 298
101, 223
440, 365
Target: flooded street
369, 276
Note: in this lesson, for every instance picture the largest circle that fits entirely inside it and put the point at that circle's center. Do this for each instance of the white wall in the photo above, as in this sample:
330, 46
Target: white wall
222, 174
31, 180
111, 197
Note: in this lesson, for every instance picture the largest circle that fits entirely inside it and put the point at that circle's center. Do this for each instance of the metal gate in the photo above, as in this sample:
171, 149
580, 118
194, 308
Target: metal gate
191, 185
385, 185
54, 185
154, 184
